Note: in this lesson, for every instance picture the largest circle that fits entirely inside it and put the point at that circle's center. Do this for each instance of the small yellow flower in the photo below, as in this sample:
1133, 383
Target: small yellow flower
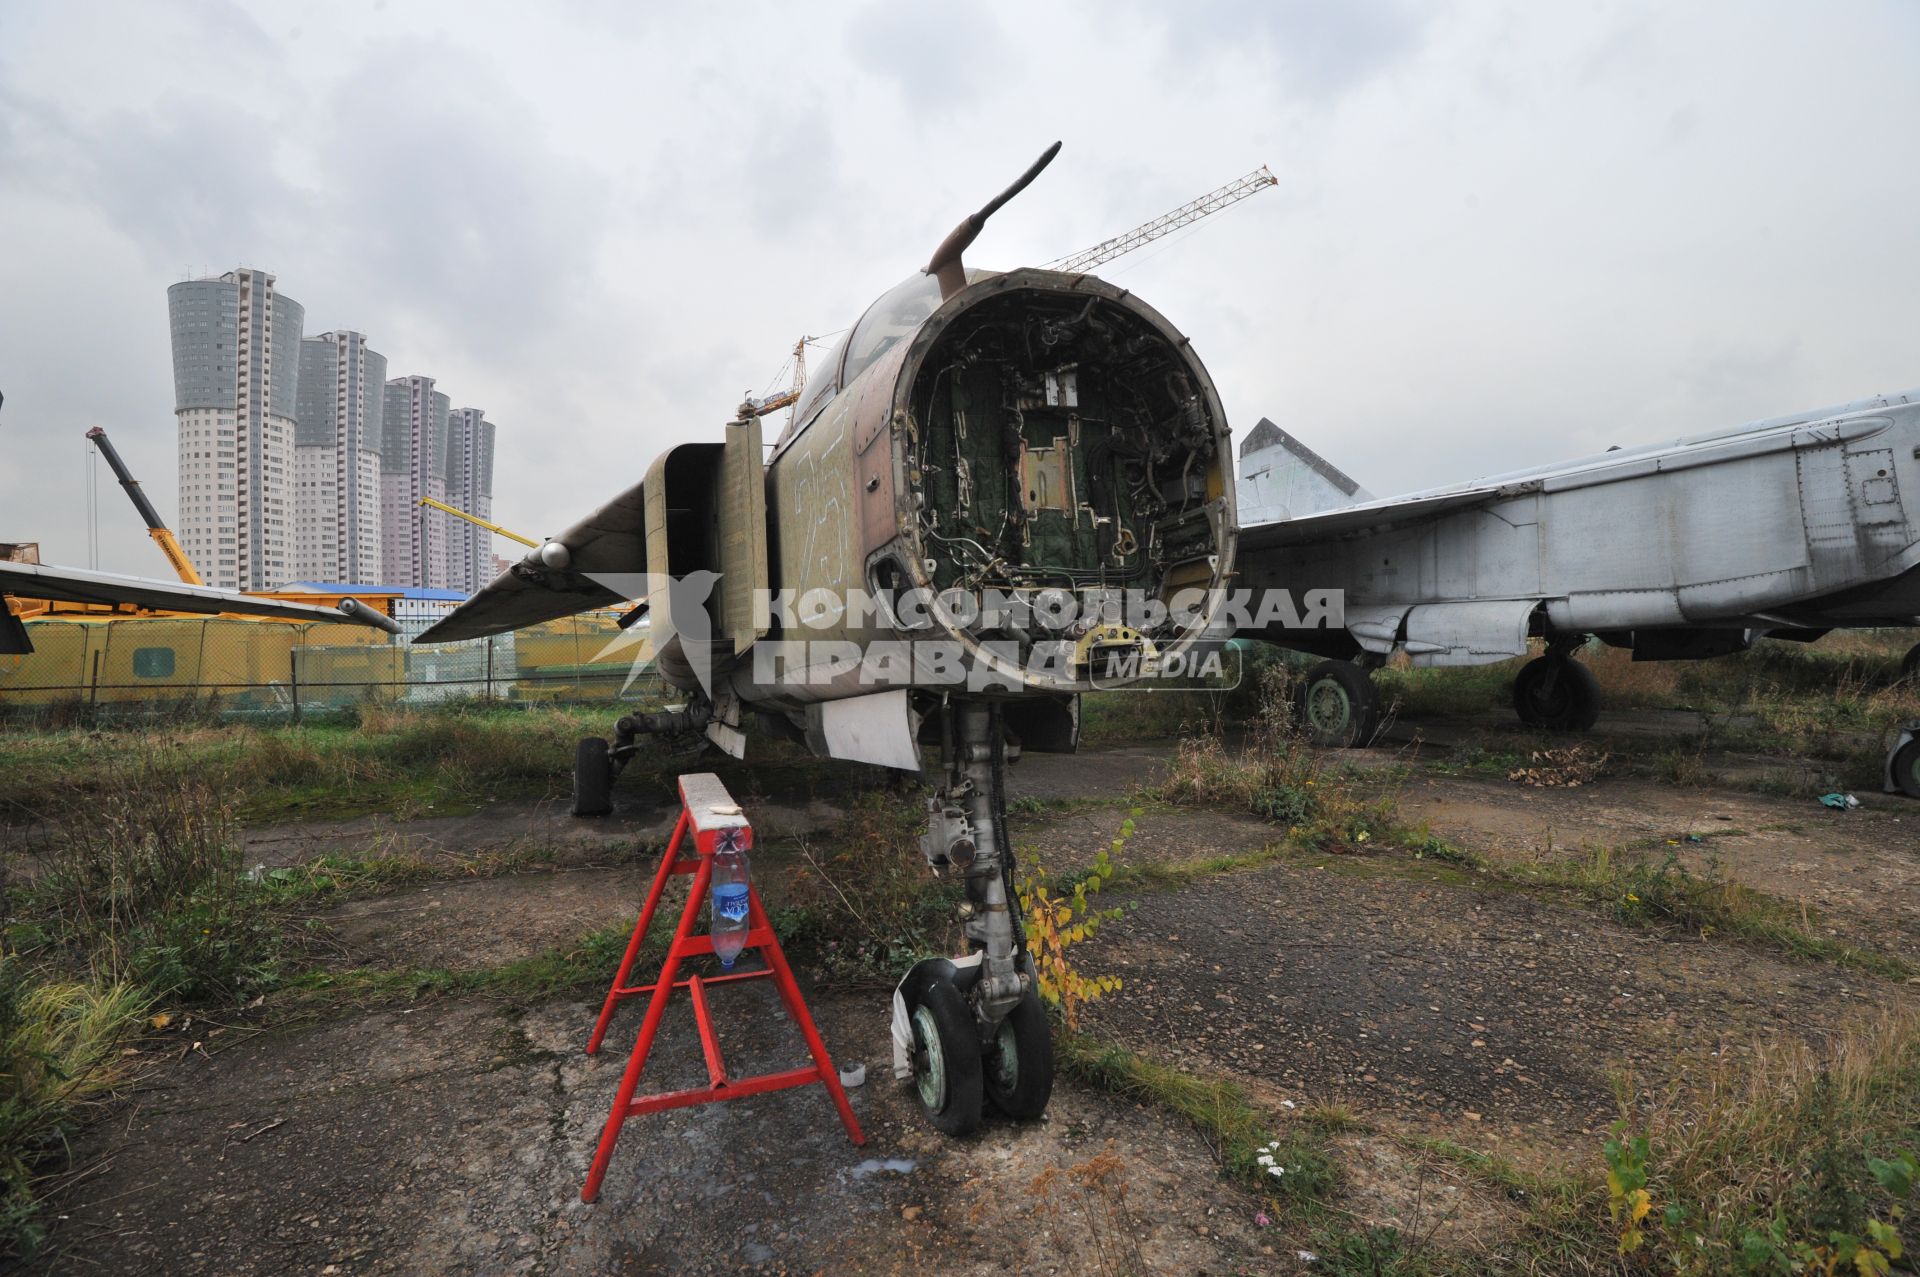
1632, 899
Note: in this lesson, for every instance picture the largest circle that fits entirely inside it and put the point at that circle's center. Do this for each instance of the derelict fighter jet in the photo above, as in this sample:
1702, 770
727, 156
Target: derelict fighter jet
1789, 527
983, 456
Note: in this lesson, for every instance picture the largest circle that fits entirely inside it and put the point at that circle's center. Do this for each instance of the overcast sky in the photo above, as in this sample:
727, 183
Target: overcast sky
1504, 233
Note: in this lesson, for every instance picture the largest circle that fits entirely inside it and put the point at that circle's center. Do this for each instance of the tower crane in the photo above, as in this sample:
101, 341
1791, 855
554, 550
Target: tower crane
1078, 263
1192, 211
787, 397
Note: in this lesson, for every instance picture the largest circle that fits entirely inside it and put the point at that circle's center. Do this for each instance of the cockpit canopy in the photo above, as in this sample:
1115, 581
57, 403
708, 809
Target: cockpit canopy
898, 312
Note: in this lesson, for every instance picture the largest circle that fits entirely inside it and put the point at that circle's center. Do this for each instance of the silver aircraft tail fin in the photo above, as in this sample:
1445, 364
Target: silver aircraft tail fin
1282, 478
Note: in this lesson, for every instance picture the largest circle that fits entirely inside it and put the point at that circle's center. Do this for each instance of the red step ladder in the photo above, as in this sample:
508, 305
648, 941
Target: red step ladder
716, 821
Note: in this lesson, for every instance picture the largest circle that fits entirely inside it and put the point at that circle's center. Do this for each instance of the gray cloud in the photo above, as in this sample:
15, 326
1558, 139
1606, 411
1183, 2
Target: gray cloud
1304, 48
1503, 235
440, 195
915, 48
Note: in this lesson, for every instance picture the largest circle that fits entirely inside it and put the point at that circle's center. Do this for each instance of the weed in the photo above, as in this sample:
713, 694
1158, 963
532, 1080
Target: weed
59, 1054
1056, 923
1276, 775
1431, 846
1683, 766
1108, 1223
1801, 1161
1704, 902
861, 902
1627, 1195
1377, 1251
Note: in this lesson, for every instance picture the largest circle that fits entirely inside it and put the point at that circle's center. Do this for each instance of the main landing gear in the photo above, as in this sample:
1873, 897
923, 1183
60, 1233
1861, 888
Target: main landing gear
1903, 761
1338, 707
1556, 693
978, 1031
597, 763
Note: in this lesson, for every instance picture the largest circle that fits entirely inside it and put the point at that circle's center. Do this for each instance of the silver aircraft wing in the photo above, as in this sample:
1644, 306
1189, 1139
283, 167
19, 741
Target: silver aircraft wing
1371, 517
555, 580
79, 585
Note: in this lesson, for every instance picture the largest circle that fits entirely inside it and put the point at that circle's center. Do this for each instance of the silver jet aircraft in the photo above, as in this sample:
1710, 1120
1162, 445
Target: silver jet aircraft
1788, 527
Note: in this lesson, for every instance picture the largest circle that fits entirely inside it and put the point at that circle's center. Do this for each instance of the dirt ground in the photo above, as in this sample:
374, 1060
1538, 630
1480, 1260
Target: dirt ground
452, 1134
454, 1137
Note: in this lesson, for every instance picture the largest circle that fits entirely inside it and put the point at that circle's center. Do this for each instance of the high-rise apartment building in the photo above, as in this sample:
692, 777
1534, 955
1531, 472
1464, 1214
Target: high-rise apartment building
337, 492
235, 377
413, 464
469, 488
300, 460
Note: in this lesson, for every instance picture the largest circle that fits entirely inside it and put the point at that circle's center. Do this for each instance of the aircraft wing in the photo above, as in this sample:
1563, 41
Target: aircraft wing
613, 539
79, 585
1371, 517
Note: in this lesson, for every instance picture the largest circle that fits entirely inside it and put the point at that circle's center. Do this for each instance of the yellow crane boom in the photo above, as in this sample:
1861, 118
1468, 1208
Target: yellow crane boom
158, 530
477, 521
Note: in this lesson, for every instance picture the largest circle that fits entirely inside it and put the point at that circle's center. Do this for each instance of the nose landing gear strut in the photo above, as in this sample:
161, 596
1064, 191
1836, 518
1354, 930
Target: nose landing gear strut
973, 1029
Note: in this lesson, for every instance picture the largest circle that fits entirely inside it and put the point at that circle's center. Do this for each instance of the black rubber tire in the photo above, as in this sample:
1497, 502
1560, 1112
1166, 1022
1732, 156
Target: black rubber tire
1024, 1047
1906, 768
1910, 664
1337, 706
592, 778
953, 1104
1572, 704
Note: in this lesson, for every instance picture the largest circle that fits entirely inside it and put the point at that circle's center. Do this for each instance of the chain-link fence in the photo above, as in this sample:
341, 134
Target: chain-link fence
142, 664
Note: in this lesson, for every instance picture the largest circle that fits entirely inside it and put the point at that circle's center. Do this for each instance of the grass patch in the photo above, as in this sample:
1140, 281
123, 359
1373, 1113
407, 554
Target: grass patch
409, 762
59, 1057
1276, 775
1666, 893
583, 967
1788, 1162
145, 885
140, 898
1238, 1132
1161, 709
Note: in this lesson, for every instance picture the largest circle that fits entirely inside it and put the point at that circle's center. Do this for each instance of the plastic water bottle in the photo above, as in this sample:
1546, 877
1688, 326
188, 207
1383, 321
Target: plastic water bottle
727, 900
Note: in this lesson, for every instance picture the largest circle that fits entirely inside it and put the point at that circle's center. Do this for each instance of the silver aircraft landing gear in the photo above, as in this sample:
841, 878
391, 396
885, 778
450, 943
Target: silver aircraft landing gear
1556, 693
1337, 705
978, 1029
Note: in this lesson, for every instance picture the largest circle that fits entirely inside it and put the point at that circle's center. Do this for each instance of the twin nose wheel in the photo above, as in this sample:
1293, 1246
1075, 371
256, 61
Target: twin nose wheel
955, 1072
